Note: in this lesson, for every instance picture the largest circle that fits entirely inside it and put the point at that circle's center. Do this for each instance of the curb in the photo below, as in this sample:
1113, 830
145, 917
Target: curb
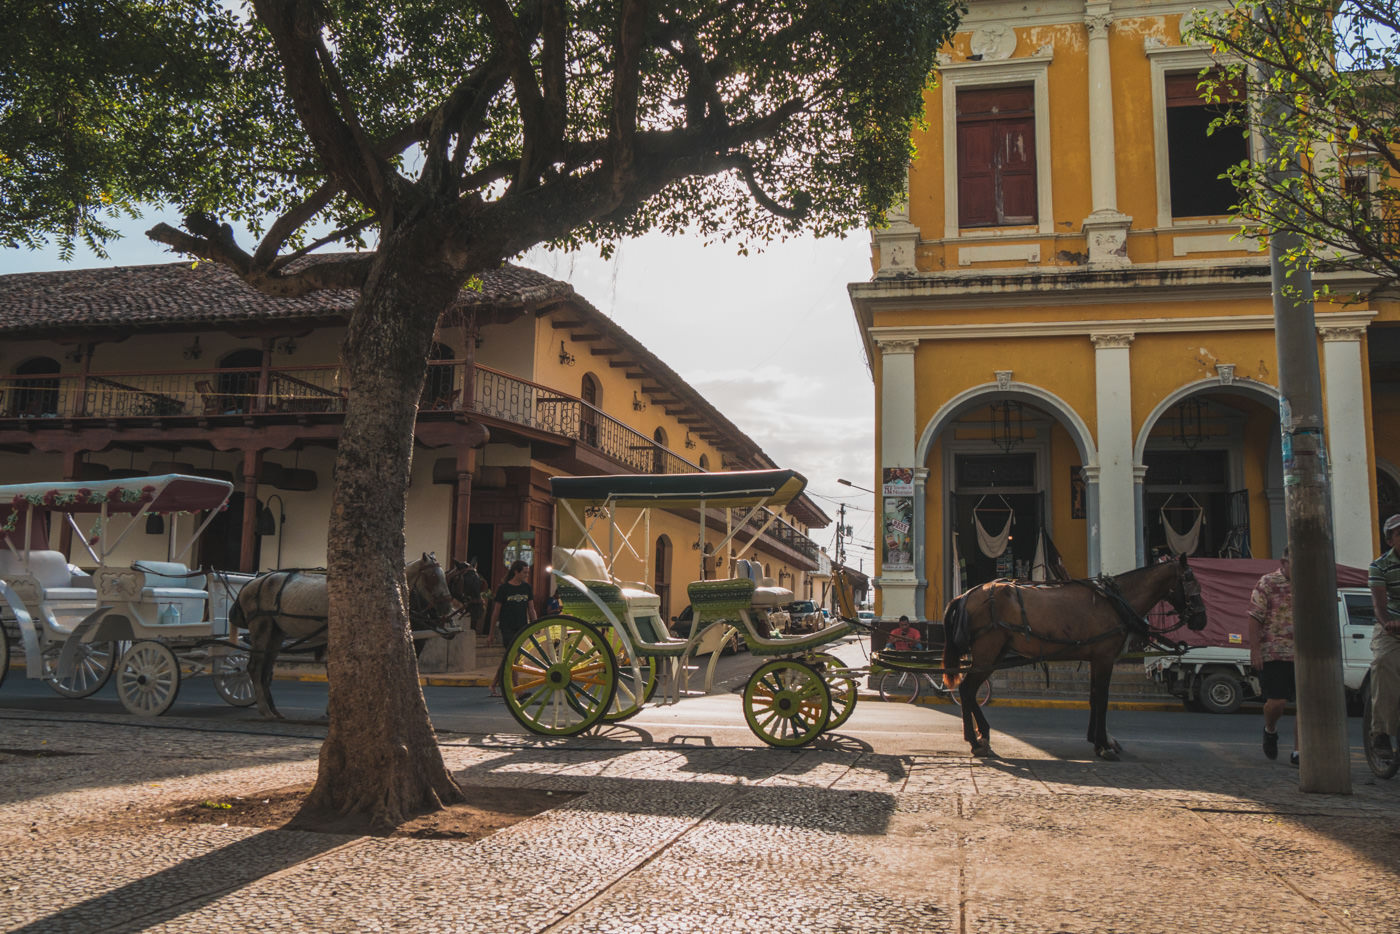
1046, 703
436, 681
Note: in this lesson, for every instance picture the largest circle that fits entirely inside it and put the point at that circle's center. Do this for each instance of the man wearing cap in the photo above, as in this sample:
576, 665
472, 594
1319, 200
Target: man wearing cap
1384, 579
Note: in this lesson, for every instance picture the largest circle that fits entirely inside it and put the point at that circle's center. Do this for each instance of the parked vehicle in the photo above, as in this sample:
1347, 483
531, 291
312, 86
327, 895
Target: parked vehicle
1215, 674
866, 616
806, 616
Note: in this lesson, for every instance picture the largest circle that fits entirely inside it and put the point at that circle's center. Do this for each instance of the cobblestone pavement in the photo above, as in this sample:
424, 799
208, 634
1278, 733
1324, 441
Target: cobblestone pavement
691, 838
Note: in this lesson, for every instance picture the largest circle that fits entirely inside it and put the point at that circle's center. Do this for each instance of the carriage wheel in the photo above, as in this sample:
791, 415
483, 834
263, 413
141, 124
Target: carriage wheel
91, 669
148, 678
231, 679
630, 695
842, 686
560, 676
1382, 767
786, 703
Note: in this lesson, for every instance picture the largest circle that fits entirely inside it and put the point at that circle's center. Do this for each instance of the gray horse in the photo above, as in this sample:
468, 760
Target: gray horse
287, 611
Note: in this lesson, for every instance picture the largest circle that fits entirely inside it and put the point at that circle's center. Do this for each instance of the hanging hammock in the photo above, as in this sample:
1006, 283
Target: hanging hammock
1184, 543
992, 545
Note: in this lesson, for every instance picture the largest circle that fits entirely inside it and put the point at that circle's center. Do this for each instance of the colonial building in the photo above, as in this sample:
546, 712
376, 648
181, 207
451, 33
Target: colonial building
1072, 343
174, 368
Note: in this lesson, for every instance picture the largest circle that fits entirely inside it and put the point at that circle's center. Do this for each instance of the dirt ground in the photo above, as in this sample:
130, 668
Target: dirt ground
490, 810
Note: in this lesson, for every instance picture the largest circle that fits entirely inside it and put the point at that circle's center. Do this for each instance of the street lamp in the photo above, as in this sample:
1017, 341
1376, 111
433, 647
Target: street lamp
848, 483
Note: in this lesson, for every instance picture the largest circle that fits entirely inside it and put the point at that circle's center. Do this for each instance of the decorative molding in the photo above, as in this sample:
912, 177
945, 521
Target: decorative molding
1000, 253
1003, 379
1213, 243
1098, 24
1193, 323
891, 346
994, 42
1332, 333
1226, 372
1119, 341
1107, 234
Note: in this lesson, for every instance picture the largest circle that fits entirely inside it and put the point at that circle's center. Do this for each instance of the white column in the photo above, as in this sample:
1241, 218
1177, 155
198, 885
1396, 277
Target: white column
1113, 396
1353, 528
898, 437
1106, 230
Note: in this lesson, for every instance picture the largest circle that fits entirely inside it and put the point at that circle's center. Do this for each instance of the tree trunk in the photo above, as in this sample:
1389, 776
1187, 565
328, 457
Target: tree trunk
380, 763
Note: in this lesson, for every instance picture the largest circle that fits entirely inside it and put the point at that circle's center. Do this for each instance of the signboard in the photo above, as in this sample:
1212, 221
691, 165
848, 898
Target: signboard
518, 536
898, 481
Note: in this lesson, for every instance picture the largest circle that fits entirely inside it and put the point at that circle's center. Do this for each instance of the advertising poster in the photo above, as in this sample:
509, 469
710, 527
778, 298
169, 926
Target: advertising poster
898, 481
898, 548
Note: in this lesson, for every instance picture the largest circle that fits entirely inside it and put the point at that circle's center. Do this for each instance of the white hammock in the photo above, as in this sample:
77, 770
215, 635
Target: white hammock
1184, 543
992, 545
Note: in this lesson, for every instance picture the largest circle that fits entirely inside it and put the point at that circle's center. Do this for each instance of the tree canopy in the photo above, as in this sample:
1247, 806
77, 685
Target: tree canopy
1323, 82
455, 135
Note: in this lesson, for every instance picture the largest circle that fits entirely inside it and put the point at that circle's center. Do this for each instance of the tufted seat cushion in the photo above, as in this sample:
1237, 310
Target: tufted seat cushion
771, 597
54, 574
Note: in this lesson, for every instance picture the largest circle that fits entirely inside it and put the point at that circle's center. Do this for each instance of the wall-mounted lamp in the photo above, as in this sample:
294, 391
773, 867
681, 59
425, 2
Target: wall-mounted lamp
194, 351
288, 346
637, 403
155, 523
689, 441
565, 358
75, 355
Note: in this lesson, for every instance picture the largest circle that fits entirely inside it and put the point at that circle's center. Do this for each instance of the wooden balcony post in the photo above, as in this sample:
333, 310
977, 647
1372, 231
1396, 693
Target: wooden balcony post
252, 465
72, 462
264, 379
462, 504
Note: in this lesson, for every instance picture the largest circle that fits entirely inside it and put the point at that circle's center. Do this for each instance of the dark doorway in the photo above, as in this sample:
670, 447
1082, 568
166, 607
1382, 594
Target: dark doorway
221, 546
239, 385
991, 511
37, 395
481, 545
1186, 502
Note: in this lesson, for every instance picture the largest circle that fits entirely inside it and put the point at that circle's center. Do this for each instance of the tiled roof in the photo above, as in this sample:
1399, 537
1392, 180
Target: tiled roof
138, 297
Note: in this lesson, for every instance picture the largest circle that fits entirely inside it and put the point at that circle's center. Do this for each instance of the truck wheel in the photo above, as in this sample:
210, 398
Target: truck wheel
1221, 692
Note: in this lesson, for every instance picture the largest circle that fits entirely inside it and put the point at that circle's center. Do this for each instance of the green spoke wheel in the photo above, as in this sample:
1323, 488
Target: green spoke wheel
231, 679
148, 678
92, 667
630, 694
842, 686
560, 676
786, 703
1383, 768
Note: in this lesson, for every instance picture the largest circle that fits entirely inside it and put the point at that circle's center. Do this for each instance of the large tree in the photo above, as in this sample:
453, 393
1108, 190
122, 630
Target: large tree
1323, 83
452, 135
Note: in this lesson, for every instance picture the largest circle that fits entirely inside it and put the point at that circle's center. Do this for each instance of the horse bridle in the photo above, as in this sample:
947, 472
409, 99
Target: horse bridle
438, 623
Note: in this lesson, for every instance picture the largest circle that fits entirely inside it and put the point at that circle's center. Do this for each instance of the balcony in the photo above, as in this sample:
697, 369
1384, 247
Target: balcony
134, 400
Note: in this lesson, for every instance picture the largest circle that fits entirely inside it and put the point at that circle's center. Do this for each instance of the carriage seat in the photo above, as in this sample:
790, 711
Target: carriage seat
60, 581
766, 593
621, 597
171, 582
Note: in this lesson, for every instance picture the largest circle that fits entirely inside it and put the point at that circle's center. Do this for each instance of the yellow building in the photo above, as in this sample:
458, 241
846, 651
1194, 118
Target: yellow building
1072, 343
167, 368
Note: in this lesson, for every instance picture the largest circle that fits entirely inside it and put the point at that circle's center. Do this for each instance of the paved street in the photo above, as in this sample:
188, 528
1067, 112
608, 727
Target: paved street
687, 824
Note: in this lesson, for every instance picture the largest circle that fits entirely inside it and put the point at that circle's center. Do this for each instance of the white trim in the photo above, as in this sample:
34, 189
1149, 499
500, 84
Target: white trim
1033, 70
1001, 253
1136, 325
970, 398
1247, 387
1213, 243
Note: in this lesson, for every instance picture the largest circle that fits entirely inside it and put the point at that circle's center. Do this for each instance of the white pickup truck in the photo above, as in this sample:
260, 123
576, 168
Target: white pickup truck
1216, 675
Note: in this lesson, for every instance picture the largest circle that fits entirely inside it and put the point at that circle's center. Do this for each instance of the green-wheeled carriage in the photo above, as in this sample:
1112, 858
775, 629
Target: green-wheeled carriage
601, 657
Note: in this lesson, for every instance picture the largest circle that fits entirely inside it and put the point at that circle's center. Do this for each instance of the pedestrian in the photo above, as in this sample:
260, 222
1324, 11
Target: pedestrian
1271, 650
904, 637
1384, 579
512, 609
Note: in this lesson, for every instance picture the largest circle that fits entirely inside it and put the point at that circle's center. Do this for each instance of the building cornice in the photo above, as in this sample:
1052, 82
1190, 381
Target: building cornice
1114, 331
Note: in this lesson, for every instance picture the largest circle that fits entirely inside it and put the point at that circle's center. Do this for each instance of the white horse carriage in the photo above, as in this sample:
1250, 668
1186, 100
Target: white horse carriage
151, 622
599, 658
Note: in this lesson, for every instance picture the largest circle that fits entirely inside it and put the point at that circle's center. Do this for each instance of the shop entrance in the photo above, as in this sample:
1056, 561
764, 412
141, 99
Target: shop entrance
997, 516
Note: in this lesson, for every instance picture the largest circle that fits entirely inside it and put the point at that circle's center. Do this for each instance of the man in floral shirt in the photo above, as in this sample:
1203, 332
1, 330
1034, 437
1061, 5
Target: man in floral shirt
1271, 649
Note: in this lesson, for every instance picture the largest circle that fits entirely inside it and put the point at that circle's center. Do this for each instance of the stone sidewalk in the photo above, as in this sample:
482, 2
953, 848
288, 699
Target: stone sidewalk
689, 838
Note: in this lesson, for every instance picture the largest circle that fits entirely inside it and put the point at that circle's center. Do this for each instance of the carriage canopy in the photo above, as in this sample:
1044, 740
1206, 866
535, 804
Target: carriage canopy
166, 493
729, 489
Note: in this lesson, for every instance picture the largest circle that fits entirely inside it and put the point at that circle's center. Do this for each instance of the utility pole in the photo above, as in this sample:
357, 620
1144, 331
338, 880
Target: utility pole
840, 550
1325, 759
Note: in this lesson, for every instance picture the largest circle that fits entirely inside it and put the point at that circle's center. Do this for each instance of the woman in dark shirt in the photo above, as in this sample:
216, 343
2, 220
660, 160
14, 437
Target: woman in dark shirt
512, 609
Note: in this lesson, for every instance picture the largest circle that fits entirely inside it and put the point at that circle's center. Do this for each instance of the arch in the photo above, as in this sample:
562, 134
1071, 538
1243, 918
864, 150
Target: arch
1261, 391
238, 387
704, 462
38, 394
977, 396
438, 391
591, 392
658, 451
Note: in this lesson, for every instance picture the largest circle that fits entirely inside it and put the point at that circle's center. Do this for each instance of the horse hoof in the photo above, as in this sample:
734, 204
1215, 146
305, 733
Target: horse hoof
984, 751
1108, 754
1117, 746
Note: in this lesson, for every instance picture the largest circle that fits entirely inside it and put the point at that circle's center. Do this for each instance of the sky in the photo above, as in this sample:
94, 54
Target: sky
768, 338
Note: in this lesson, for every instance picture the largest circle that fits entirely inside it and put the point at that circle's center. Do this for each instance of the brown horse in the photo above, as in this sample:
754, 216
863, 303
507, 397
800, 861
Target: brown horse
468, 588
1004, 624
287, 611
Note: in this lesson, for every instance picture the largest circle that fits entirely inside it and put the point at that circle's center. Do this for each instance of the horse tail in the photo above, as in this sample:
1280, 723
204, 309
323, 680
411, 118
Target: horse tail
952, 649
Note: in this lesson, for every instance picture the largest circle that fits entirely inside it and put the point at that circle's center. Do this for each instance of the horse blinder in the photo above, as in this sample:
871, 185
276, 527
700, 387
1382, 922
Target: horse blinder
1193, 607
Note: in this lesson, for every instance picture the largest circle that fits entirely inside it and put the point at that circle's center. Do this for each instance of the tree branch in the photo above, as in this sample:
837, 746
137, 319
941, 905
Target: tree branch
528, 96
627, 82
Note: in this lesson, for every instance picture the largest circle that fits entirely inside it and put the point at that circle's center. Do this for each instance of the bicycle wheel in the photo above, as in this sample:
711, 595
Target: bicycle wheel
1383, 768
984, 694
901, 687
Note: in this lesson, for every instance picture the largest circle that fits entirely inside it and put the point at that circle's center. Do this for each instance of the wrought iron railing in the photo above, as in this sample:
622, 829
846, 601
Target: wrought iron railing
323, 389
